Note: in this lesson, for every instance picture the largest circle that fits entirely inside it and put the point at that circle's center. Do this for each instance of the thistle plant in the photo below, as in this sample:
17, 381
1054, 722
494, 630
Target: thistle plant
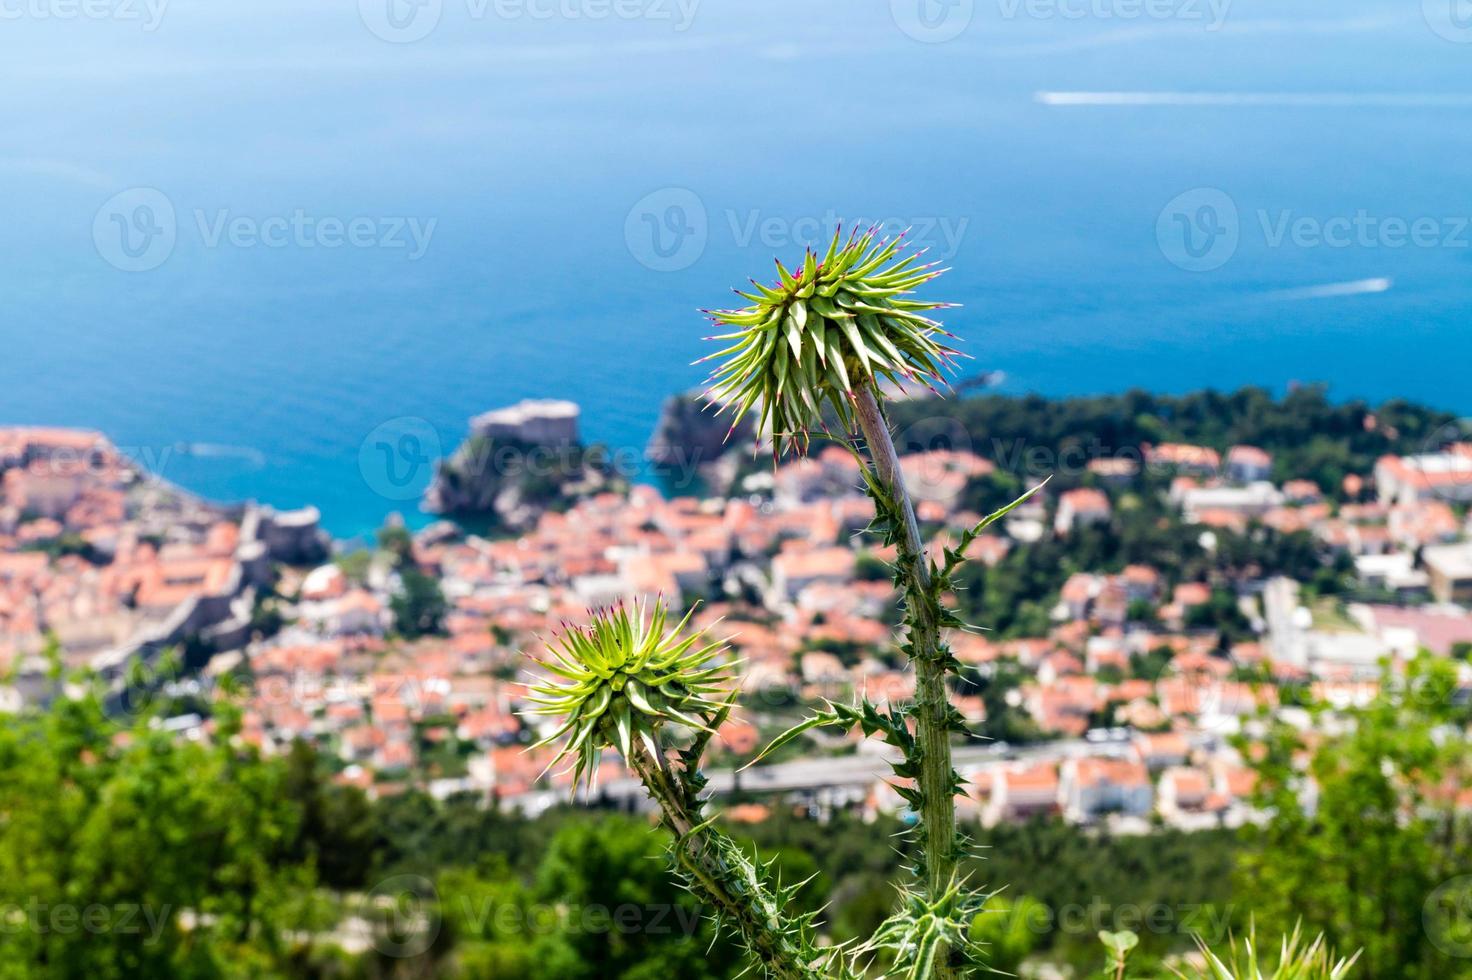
625, 681
617, 680
825, 334
921, 932
1244, 960
819, 347
838, 333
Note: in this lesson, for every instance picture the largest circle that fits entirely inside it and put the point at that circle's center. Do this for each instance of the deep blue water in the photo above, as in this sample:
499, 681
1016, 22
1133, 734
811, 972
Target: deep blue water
546, 151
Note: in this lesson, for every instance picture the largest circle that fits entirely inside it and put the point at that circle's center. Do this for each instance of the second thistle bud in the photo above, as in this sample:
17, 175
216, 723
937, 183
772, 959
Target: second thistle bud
616, 681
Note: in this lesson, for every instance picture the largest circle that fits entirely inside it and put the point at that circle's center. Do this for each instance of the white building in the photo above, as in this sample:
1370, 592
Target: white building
1431, 476
1091, 787
1253, 500
1450, 568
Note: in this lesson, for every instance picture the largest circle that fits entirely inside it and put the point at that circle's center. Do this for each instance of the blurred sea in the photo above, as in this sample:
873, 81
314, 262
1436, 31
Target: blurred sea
337, 223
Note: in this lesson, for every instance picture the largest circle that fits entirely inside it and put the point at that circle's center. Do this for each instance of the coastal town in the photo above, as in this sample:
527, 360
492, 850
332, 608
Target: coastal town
1120, 709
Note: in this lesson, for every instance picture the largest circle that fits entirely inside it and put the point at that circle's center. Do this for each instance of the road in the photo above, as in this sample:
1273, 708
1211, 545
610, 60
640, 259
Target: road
861, 769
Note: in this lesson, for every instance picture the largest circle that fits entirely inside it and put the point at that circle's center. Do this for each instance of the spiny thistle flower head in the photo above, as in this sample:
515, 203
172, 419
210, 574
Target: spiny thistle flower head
823, 331
618, 679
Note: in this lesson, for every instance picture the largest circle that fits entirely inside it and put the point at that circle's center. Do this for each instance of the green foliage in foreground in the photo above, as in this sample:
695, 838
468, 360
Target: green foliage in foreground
128, 854
136, 855
1377, 861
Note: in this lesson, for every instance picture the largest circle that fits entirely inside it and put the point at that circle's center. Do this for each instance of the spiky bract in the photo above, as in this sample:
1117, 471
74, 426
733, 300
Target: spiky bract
821, 332
1246, 960
618, 679
926, 930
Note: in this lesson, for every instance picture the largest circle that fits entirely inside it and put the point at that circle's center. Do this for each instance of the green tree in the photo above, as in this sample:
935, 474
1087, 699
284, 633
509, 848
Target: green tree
607, 907
1381, 834
397, 541
419, 606
1008, 929
131, 853
488, 915
338, 832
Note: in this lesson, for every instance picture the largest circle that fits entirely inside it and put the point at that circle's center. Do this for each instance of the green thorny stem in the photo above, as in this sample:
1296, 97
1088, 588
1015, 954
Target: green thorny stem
719, 873
937, 780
